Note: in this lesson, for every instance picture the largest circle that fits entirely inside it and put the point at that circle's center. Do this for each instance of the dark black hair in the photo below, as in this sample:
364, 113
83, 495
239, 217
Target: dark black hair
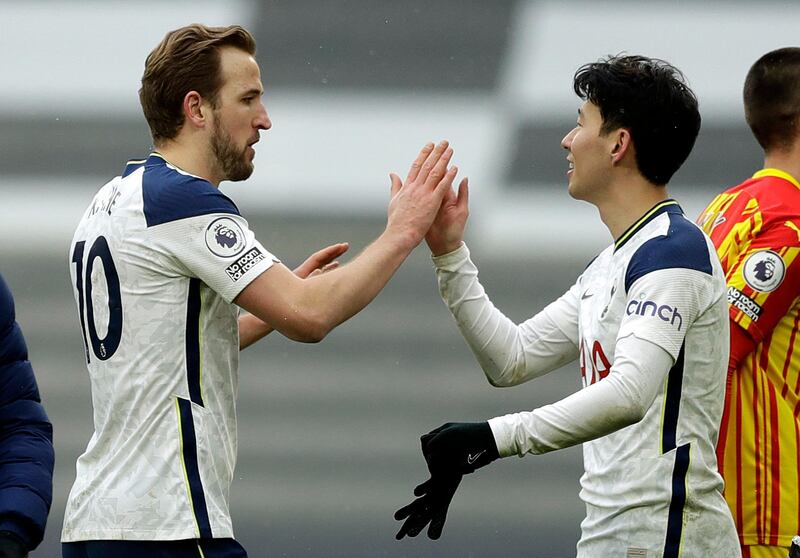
650, 98
772, 98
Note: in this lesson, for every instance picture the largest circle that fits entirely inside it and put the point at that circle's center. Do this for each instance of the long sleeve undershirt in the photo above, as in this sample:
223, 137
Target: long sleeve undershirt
510, 354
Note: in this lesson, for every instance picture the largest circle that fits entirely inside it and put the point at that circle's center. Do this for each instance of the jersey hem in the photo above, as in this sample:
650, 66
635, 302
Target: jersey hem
138, 535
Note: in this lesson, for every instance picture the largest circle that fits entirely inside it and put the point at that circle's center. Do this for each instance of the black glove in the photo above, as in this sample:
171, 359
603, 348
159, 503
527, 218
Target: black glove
451, 451
459, 447
434, 496
11, 546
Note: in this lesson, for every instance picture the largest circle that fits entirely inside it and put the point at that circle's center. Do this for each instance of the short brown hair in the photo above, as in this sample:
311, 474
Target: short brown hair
187, 59
772, 98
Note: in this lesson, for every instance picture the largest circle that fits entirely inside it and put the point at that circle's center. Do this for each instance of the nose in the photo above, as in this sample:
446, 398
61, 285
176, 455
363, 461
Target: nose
262, 121
566, 142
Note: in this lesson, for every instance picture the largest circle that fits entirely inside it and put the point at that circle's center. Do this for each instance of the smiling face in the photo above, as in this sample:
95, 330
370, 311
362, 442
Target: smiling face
238, 115
590, 155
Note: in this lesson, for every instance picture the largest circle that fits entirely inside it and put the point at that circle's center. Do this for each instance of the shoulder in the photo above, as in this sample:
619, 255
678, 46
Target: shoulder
6, 309
12, 343
684, 246
170, 195
772, 202
769, 190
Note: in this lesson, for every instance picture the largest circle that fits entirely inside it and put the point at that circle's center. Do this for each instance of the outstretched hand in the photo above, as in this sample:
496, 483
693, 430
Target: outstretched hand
321, 260
447, 231
415, 203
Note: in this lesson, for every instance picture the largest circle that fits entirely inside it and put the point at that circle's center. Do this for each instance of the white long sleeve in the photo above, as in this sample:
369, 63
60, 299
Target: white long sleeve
508, 353
620, 399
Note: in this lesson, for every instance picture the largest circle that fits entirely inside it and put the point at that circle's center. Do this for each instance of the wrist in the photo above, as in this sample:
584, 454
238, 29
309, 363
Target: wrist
452, 261
443, 248
503, 436
444, 251
399, 240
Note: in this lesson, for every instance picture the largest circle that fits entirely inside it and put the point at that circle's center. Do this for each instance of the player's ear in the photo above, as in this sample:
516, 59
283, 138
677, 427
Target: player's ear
621, 143
195, 110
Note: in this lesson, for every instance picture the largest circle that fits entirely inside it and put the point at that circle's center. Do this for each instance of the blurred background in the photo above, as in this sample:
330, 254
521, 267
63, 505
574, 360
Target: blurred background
329, 433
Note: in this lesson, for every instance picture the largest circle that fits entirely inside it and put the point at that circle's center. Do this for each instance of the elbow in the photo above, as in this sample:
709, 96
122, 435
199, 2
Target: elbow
632, 413
636, 414
500, 377
310, 328
500, 381
312, 336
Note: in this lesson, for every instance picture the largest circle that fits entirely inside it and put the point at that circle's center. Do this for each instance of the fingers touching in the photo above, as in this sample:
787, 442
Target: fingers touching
430, 167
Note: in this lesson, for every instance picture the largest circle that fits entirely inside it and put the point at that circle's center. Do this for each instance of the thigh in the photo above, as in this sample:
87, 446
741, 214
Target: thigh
207, 548
763, 551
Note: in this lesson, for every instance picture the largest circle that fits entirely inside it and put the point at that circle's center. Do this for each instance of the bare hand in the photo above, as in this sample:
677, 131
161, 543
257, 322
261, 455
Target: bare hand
447, 231
321, 260
415, 204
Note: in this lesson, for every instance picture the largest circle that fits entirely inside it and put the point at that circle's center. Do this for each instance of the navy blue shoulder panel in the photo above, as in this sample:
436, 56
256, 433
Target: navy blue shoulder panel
170, 195
132, 166
682, 247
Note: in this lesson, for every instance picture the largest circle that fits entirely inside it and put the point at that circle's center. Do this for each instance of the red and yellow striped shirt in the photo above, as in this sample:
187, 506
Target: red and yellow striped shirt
756, 229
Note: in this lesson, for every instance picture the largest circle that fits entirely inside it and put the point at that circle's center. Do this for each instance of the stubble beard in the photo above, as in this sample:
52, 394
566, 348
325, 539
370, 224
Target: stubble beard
232, 164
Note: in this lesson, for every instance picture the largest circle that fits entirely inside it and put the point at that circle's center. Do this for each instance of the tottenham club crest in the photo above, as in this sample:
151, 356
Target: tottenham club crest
225, 238
764, 271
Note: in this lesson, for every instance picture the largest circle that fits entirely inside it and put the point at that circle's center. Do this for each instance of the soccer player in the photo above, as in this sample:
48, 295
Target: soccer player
26, 442
160, 262
646, 320
756, 229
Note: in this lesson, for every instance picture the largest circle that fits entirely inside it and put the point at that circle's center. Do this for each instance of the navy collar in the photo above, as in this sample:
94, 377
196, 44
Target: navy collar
155, 159
667, 206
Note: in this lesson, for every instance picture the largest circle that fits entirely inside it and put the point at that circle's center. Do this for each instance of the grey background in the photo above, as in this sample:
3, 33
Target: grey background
329, 433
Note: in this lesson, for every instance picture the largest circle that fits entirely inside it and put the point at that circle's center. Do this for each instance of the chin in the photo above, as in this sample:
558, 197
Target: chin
573, 191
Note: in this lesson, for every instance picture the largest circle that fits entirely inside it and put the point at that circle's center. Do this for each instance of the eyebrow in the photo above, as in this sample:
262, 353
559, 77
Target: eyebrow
253, 91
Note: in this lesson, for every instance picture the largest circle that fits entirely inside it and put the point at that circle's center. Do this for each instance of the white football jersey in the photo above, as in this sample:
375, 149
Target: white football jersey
155, 263
648, 322
653, 487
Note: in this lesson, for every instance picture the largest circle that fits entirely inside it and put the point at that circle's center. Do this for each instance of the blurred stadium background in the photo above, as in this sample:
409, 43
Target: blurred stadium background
329, 432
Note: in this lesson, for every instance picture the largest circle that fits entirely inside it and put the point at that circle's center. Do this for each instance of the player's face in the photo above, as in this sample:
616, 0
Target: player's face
589, 157
239, 115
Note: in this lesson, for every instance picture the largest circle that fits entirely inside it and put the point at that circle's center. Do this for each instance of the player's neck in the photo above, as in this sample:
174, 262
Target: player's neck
788, 161
188, 159
627, 203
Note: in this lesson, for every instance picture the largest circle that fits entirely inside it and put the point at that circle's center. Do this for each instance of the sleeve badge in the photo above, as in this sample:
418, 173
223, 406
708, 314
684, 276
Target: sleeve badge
764, 270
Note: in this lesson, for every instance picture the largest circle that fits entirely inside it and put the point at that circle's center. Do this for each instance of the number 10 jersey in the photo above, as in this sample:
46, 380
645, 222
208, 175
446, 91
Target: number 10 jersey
156, 262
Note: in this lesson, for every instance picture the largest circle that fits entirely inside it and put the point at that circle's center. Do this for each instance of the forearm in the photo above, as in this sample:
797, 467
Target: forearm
252, 329
307, 309
507, 352
619, 400
340, 294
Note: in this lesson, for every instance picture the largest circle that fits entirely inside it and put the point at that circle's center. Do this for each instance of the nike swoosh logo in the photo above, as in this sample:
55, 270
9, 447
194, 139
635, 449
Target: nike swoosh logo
471, 459
584, 296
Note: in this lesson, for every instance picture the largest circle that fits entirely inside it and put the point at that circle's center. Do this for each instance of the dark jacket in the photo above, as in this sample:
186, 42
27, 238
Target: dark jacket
26, 435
